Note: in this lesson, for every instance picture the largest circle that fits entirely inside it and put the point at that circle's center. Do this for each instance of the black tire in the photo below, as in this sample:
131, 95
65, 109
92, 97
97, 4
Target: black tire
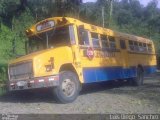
138, 81
68, 89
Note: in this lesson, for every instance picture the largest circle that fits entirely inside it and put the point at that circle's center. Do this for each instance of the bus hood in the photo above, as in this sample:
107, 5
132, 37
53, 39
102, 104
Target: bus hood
34, 55
28, 57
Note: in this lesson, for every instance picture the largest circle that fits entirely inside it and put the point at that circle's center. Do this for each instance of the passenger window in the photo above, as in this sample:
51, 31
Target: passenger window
112, 42
149, 48
131, 45
122, 44
141, 47
145, 47
95, 40
83, 37
104, 41
136, 48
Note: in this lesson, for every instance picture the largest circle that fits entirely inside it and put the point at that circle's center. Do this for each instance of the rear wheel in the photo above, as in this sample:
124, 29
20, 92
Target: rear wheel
138, 81
69, 87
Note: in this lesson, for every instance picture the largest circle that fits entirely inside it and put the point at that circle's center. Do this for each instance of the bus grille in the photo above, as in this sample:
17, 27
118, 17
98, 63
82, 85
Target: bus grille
22, 71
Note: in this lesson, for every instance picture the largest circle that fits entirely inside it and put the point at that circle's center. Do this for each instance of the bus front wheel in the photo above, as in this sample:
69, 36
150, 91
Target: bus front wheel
69, 87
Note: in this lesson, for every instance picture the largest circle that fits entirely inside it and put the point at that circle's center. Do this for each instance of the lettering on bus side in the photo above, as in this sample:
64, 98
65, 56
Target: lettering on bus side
101, 54
104, 54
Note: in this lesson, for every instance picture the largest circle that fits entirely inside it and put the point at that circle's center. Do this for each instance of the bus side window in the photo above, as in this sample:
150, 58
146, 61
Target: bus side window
145, 47
95, 40
149, 48
136, 48
112, 42
131, 45
141, 47
104, 41
122, 44
83, 37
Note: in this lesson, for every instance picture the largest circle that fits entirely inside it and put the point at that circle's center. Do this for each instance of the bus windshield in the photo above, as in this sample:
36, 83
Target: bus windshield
50, 39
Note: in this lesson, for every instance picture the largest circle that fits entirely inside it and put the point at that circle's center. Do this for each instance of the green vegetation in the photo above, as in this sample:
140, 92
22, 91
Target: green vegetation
3, 90
127, 16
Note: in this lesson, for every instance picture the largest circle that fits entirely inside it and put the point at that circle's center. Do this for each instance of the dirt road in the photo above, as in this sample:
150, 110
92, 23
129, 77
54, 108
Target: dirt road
97, 98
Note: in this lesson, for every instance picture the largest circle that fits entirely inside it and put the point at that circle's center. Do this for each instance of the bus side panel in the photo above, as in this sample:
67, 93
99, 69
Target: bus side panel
129, 72
150, 69
107, 73
89, 75
112, 73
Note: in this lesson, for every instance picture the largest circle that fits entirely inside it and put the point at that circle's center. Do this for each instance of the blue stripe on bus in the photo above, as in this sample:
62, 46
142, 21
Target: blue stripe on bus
111, 73
150, 69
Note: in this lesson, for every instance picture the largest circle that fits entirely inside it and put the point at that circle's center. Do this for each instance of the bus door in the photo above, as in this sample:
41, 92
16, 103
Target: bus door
124, 59
86, 55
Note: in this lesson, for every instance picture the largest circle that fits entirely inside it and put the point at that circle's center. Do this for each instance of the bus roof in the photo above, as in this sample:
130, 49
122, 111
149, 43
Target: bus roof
61, 21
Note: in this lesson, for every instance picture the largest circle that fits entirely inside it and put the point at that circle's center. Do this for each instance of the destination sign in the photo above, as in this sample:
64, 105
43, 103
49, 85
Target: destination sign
45, 25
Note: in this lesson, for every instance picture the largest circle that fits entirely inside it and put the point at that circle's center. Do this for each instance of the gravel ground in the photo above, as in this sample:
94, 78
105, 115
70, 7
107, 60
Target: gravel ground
115, 97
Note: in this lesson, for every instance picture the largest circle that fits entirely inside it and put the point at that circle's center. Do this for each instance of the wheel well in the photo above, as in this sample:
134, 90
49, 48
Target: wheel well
66, 67
69, 67
141, 67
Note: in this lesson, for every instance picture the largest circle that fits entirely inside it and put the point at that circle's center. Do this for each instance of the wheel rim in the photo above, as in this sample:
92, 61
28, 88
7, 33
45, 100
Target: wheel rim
68, 87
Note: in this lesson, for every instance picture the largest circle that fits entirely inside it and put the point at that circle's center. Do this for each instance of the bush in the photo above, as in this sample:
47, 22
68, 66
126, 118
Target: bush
3, 73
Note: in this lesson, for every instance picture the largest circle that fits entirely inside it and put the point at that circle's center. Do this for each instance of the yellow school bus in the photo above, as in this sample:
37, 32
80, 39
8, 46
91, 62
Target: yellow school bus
64, 53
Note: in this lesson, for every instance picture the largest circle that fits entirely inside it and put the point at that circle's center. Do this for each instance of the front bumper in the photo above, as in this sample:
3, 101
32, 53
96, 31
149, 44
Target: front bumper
41, 82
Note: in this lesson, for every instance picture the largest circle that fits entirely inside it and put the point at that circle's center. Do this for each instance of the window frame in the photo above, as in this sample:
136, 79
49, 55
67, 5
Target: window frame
145, 47
95, 39
140, 45
136, 46
80, 37
104, 41
122, 44
131, 45
111, 43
